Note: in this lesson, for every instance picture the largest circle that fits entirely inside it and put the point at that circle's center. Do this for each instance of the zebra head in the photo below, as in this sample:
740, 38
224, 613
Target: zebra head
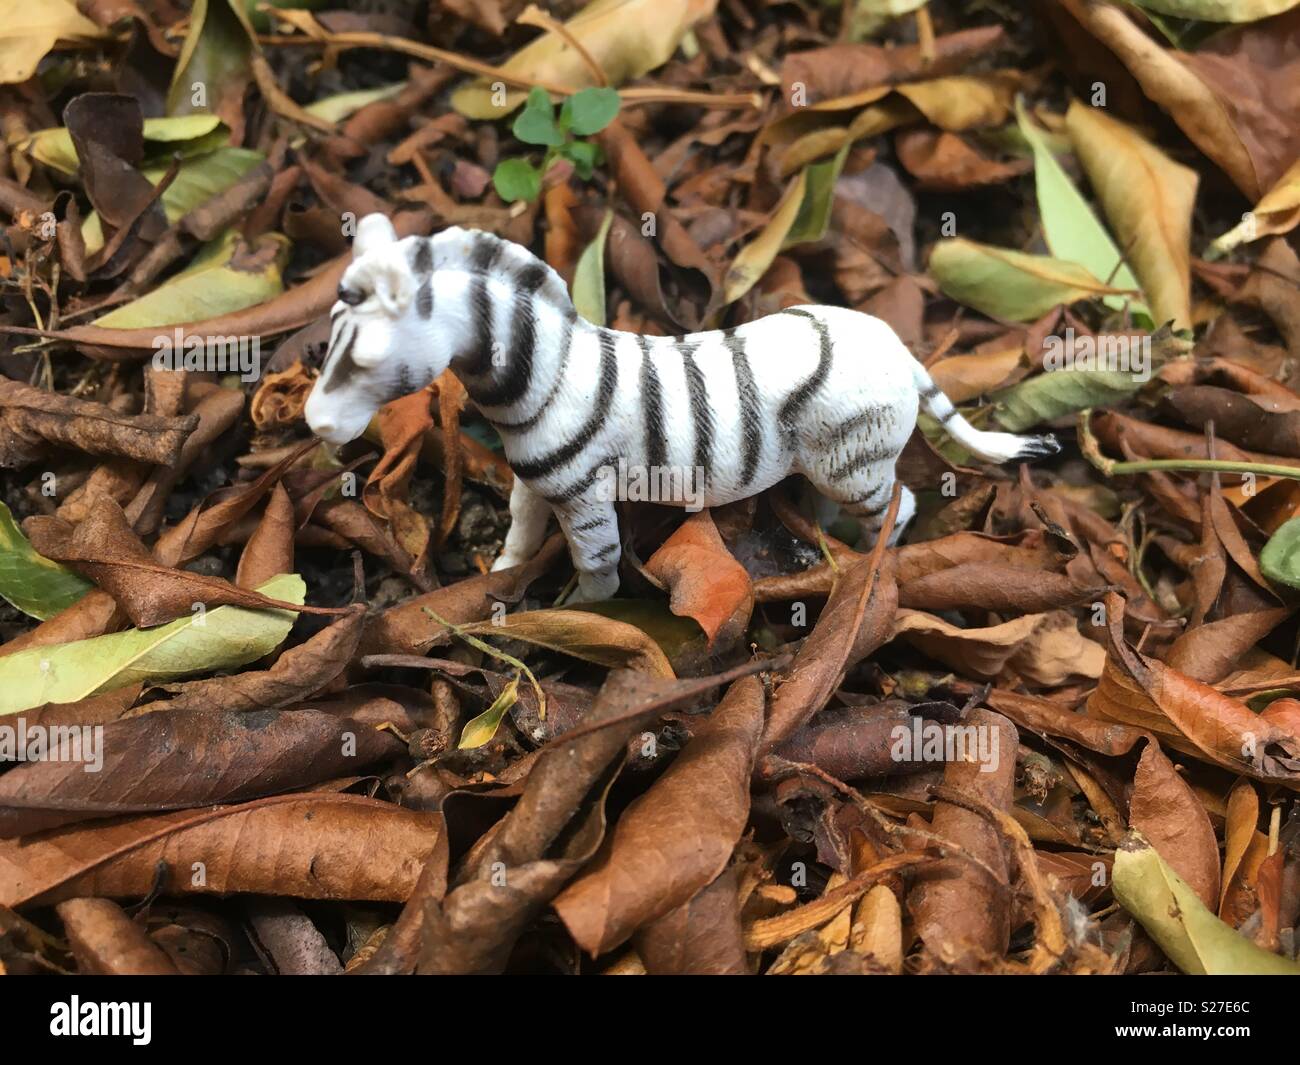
379, 348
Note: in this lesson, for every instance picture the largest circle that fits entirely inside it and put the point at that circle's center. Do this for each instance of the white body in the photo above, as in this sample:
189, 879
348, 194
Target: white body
824, 391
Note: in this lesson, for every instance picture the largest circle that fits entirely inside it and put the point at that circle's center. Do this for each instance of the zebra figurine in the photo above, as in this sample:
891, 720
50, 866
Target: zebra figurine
824, 391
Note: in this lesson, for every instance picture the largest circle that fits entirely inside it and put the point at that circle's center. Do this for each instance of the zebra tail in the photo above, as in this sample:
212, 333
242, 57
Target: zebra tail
991, 447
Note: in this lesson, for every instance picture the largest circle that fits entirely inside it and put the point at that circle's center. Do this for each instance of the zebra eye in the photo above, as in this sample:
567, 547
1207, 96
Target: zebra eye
351, 296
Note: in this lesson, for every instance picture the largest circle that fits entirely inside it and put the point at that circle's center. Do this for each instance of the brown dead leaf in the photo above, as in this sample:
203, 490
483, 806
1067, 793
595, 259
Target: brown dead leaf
676, 837
31, 420
106, 942
705, 581
316, 845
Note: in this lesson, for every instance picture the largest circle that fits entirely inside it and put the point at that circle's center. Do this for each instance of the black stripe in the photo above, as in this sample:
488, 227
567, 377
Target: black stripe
484, 260
863, 458
514, 380
549, 463
341, 368
605, 552
424, 298
798, 399
422, 257
698, 393
566, 346
595, 523
567, 495
851, 425
948, 417
929, 393
652, 406
751, 416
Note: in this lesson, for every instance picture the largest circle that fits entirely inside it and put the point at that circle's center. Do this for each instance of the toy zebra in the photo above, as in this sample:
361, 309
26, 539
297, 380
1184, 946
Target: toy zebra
824, 391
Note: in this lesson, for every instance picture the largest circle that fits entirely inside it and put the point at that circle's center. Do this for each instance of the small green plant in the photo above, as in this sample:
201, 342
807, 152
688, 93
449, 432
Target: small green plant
583, 114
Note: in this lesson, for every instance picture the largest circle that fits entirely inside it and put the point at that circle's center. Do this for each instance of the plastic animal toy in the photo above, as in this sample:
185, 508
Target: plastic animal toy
582, 410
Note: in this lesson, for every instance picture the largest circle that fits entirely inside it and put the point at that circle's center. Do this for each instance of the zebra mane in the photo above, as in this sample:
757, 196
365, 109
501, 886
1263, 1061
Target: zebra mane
477, 250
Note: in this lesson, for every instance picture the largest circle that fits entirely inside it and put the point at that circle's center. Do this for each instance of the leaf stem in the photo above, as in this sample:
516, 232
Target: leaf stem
488, 649
1110, 467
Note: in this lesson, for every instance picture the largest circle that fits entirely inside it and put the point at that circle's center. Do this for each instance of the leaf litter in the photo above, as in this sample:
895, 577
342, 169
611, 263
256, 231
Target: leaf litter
1054, 729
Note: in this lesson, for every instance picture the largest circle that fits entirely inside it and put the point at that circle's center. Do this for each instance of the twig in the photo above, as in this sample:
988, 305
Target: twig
315, 34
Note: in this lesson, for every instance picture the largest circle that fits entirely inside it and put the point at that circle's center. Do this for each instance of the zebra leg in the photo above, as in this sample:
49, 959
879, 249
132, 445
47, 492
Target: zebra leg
591, 527
866, 493
529, 513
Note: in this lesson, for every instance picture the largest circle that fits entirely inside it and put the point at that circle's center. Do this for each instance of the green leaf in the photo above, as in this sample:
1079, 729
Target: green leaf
35, 585
185, 134
482, 728
1060, 392
1219, 10
819, 196
1280, 559
535, 124
224, 638
216, 56
589, 111
516, 179
1010, 284
583, 155
225, 276
1193, 938
589, 276
1072, 231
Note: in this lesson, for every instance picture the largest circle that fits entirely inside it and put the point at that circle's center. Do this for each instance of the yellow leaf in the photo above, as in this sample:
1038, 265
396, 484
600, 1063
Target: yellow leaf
1147, 198
1195, 940
754, 258
28, 32
1277, 212
626, 38
965, 100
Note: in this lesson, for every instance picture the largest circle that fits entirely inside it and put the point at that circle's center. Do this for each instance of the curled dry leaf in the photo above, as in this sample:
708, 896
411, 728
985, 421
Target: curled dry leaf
1166, 811
104, 550
678, 836
964, 919
857, 619
317, 845
702, 936
185, 758
32, 419
106, 942
706, 583
1136, 687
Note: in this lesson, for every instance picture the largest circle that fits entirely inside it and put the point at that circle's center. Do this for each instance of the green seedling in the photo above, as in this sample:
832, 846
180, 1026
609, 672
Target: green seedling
583, 114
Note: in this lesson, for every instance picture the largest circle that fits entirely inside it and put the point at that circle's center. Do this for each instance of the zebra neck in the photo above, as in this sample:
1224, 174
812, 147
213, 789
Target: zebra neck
521, 342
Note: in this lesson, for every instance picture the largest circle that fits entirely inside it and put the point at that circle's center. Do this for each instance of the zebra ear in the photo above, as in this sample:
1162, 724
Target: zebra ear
389, 278
373, 231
